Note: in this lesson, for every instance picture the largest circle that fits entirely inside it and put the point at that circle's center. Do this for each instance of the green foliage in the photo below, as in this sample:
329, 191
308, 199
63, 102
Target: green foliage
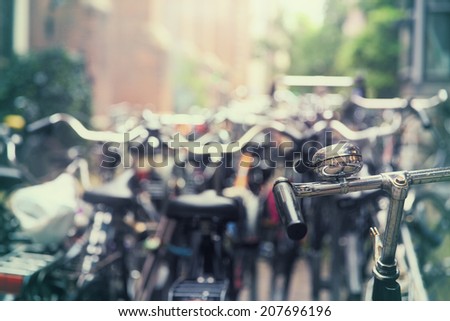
375, 51
369, 5
44, 83
310, 56
313, 50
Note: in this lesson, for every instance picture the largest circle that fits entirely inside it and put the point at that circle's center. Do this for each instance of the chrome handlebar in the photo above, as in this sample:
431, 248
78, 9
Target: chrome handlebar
400, 103
395, 184
83, 132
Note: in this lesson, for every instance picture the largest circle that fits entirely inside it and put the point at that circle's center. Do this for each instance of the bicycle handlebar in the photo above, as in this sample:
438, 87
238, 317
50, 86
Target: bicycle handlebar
365, 134
400, 103
380, 181
178, 142
198, 147
383, 181
83, 132
286, 203
417, 105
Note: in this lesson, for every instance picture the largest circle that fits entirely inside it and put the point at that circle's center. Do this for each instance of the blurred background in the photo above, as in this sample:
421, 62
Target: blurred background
85, 56
111, 62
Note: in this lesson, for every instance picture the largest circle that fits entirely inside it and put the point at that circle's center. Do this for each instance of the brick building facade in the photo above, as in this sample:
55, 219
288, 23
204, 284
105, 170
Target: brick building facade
151, 52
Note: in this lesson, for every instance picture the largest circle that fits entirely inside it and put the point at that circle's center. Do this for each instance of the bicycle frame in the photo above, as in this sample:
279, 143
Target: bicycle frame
396, 184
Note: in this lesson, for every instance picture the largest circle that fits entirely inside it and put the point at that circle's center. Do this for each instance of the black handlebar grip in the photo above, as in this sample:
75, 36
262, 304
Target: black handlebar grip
424, 119
421, 114
289, 209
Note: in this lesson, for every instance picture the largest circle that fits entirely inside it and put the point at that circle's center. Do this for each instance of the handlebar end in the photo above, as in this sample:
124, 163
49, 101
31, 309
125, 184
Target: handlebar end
289, 210
443, 95
296, 231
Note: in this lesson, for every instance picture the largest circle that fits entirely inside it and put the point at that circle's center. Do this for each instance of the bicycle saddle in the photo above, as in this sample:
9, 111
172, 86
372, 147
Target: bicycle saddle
206, 205
114, 193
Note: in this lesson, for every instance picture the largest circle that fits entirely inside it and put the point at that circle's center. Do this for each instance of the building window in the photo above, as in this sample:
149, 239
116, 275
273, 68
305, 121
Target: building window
437, 41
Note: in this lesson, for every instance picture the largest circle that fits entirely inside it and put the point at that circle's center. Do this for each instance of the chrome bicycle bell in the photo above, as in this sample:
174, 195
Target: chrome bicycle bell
337, 161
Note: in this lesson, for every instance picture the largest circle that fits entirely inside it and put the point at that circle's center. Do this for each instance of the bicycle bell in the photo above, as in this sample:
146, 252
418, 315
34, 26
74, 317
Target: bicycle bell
337, 161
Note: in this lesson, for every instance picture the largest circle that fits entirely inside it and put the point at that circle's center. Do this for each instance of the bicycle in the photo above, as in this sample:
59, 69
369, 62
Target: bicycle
96, 252
347, 233
101, 262
205, 225
343, 235
426, 212
43, 216
337, 166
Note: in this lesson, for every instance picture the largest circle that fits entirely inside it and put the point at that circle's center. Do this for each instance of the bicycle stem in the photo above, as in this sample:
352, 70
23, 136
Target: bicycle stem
385, 271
